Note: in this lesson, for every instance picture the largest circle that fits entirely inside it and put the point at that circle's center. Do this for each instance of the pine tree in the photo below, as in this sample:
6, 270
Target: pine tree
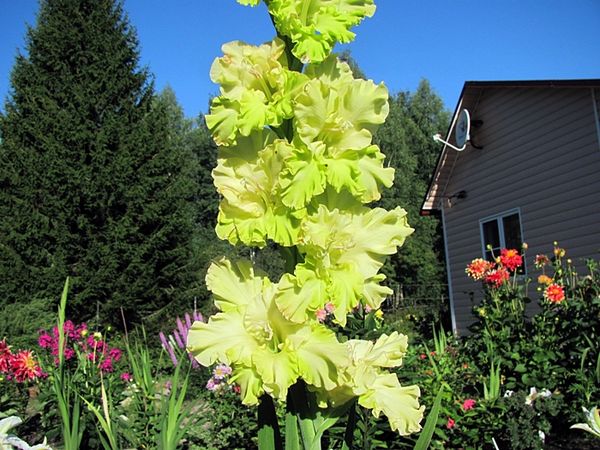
94, 184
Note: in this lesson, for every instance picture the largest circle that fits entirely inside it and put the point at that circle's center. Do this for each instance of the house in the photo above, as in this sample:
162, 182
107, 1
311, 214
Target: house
529, 173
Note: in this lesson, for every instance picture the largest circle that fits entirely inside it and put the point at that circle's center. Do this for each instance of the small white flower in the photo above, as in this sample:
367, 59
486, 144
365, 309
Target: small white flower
508, 393
546, 393
542, 435
532, 396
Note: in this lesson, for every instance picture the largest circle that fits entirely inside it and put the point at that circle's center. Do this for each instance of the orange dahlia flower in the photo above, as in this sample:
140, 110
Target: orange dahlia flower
554, 293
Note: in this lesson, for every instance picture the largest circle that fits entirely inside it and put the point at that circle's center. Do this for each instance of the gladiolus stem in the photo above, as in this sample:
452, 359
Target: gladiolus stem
269, 437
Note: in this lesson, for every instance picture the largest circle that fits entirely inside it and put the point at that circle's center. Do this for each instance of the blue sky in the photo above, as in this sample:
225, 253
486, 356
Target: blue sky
446, 41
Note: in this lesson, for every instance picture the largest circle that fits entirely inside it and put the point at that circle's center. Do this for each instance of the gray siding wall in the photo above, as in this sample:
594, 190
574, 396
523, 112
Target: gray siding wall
541, 154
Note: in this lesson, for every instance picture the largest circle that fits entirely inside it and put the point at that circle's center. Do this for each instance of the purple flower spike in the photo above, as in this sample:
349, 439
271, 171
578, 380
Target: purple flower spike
182, 330
195, 363
178, 339
172, 355
188, 321
163, 340
198, 317
168, 347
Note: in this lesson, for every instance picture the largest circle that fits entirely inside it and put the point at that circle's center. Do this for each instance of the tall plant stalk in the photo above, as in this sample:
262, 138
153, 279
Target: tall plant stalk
297, 167
67, 398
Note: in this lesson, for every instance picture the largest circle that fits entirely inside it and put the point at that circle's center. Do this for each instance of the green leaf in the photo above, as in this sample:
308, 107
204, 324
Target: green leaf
430, 423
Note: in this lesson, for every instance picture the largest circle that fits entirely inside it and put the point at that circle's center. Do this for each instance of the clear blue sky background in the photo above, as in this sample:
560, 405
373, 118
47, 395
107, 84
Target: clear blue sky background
445, 41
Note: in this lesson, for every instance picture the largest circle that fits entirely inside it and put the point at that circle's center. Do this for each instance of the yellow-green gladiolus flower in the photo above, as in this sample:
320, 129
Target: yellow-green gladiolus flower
267, 352
377, 389
343, 253
314, 26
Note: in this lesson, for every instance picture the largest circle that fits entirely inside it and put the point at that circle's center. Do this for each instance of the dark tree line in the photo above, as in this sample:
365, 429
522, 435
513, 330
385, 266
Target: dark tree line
97, 182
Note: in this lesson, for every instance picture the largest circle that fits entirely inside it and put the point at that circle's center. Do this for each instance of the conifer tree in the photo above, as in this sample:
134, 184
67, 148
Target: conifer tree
93, 182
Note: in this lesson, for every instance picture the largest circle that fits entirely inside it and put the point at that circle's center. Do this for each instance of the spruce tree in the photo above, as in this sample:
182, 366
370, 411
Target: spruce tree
95, 184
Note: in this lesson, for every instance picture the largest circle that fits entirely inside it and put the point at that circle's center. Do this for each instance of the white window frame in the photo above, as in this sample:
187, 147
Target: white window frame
498, 218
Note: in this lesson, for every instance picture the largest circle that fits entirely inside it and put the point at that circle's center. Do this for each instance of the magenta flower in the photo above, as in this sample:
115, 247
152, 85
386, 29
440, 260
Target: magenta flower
126, 377
69, 353
45, 340
115, 354
106, 365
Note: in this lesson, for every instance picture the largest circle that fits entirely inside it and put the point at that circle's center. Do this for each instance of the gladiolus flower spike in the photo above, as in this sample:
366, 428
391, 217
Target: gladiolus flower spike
296, 166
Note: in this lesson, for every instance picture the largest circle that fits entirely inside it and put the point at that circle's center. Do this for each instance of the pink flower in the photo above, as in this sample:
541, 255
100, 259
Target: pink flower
321, 314
5, 356
106, 365
25, 367
211, 385
450, 424
221, 371
329, 307
115, 354
45, 340
81, 330
126, 377
69, 330
69, 353
468, 404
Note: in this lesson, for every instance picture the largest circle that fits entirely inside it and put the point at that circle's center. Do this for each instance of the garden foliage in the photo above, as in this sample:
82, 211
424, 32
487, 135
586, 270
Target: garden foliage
522, 376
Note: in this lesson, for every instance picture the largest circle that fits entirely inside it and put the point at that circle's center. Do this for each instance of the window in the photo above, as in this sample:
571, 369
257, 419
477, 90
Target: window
501, 231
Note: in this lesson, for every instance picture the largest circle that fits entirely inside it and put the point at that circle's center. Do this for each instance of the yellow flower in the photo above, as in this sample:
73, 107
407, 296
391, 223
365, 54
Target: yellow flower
544, 279
267, 352
379, 314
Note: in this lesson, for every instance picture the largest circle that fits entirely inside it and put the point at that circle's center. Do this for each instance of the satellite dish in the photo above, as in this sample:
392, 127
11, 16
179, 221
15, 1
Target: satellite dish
463, 126
461, 132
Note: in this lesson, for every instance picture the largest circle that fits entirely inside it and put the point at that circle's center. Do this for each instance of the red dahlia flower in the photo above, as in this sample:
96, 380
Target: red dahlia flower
554, 293
479, 268
510, 259
497, 277
25, 367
